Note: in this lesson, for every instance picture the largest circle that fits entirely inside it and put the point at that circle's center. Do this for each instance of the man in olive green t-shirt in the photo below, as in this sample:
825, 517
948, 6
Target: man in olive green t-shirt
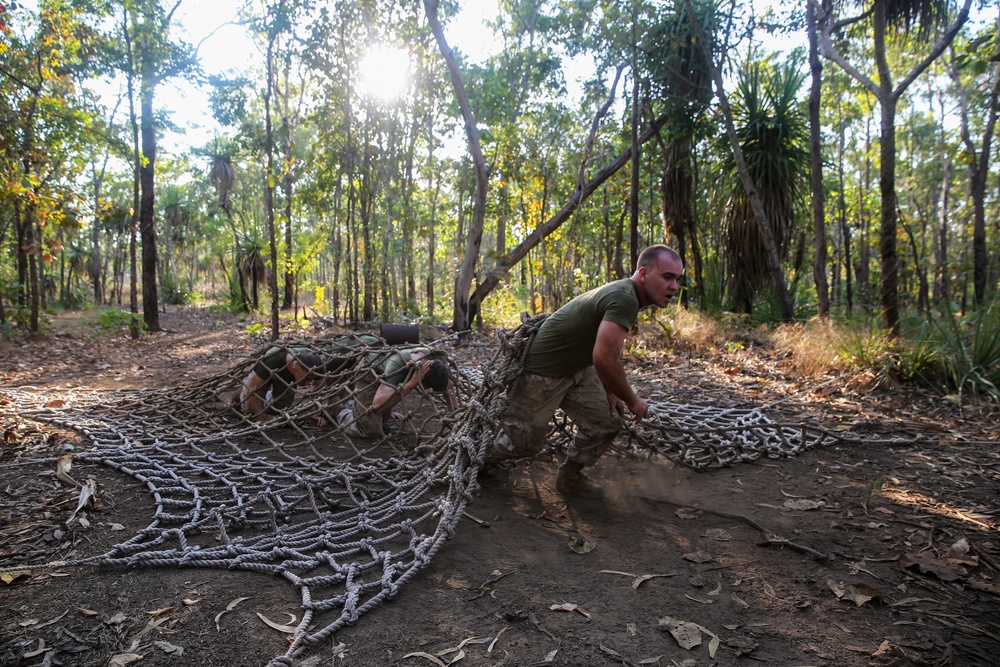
270, 386
394, 374
574, 363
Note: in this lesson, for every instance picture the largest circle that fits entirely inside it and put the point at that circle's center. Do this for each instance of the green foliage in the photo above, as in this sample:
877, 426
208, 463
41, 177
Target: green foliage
75, 298
970, 351
115, 322
175, 292
505, 306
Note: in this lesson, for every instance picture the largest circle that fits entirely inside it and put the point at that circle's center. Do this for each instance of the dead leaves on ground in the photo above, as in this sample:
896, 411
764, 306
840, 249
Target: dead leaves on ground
638, 579
232, 605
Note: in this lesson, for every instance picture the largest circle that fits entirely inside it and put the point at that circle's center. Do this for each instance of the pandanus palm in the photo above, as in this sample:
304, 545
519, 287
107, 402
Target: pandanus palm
773, 136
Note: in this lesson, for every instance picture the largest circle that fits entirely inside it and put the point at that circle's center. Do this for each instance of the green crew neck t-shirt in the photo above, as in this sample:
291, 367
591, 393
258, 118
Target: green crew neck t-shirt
564, 345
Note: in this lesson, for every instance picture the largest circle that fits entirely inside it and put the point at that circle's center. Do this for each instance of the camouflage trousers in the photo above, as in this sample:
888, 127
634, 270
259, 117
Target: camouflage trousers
581, 396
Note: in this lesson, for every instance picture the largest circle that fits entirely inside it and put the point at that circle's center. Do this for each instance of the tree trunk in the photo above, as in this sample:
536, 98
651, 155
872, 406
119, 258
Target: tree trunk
979, 163
767, 237
147, 222
463, 312
636, 164
269, 184
816, 156
888, 98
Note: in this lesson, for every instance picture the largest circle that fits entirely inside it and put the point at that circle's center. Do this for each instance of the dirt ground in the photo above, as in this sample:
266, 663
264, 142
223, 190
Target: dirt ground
874, 554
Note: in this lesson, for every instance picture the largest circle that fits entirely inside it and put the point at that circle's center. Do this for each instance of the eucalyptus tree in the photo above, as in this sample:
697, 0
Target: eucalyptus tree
906, 22
975, 72
818, 194
464, 307
151, 58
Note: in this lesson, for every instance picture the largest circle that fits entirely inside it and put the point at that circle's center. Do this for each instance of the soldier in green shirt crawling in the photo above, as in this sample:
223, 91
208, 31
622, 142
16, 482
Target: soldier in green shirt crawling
394, 374
270, 386
574, 363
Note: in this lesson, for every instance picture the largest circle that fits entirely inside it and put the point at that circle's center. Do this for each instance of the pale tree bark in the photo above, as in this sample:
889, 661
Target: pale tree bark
463, 312
888, 97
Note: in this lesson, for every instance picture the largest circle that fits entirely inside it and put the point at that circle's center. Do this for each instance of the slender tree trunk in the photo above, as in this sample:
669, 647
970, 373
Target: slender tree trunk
888, 98
816, 172
269, 184
636, 151
979, 163
465, 309
147, 222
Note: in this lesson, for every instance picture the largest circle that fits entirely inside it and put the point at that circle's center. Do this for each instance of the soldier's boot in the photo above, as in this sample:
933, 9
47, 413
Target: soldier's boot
570, 479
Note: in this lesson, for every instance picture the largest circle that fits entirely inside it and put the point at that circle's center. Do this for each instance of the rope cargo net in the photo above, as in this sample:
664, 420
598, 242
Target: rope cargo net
344, 519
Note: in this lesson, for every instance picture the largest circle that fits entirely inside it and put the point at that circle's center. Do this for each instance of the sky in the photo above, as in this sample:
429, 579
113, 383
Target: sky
227, 48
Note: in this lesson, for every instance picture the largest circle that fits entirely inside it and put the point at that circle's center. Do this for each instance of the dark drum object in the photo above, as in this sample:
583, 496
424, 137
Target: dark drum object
398, 334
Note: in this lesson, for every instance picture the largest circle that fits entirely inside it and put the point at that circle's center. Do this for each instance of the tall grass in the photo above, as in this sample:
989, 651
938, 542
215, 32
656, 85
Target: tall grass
970, 351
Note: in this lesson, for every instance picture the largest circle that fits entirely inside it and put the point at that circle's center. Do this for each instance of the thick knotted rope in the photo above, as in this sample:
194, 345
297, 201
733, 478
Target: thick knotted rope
345, 520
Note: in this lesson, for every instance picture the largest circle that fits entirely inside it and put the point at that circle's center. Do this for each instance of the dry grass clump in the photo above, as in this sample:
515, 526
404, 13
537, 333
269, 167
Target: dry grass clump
686, 330
814, 347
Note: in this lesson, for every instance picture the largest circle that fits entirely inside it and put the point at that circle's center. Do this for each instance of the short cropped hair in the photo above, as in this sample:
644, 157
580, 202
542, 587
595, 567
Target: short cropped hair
654, 252
437, 375
309, 360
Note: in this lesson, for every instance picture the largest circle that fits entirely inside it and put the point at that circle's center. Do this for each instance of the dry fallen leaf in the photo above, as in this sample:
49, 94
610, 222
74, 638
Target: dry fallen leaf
718, 534
687, 634
428, 656
86, 612
11, 577
229, 607
803, 505
87, 492
288, 629
741, 645
859, 594
943, 569
568, 606
63, 465
698, 557
169, 648
123, 659
159, 612
189, 601
42, 648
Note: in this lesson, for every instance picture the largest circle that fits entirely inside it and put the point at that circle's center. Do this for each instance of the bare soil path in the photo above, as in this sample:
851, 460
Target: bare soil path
911, 574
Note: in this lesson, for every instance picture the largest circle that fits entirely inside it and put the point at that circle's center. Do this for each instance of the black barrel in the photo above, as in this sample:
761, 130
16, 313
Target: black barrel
399, 334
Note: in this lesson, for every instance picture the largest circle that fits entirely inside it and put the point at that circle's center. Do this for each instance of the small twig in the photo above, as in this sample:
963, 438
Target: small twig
485, 586
782, 542
484, 524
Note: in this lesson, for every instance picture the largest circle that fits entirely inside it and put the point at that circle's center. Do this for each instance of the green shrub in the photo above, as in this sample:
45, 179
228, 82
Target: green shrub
970, 351
175, 292
115, 321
